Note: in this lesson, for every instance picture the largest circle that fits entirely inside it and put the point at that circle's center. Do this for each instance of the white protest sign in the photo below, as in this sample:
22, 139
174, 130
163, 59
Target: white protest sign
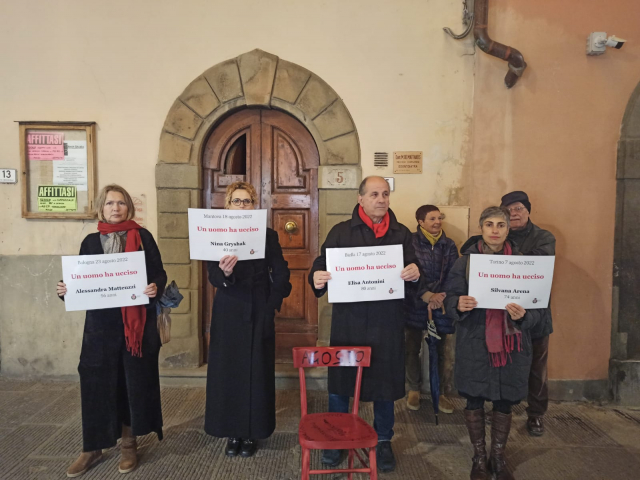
496, 280
104, 281
216, 233
365, 274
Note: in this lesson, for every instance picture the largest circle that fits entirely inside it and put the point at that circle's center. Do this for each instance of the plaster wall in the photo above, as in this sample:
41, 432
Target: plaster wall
122, 64
554, 135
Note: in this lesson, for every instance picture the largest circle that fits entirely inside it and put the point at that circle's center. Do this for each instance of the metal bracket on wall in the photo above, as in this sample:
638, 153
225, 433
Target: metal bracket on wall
478, 22
467, 20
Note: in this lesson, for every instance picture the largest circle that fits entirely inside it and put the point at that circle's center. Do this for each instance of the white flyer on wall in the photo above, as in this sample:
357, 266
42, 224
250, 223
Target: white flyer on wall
73, 169
216, 233
365, 274
496, 280
104, 281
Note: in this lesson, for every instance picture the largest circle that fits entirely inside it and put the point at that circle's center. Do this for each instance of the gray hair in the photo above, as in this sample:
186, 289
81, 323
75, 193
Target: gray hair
500, 212
363, 184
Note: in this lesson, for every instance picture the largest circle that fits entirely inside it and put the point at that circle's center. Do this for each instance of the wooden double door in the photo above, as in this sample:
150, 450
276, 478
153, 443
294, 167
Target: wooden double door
277, 155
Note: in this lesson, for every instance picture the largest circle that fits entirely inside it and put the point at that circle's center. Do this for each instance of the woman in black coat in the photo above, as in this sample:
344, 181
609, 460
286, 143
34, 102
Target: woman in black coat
241, 371
493, 349
436, 255
119, 379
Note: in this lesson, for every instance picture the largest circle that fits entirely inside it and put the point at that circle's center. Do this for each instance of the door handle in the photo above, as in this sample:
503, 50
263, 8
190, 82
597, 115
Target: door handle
291, 227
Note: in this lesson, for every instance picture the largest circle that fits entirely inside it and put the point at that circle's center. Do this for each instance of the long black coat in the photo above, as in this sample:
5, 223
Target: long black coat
241, 373
533, 240
379, 325
116, 387
473, 374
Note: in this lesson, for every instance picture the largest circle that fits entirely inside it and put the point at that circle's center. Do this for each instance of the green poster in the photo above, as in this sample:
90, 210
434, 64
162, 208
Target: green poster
57, 198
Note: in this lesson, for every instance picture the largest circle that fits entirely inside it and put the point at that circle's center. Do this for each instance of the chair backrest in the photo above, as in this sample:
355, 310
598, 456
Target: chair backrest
309, 357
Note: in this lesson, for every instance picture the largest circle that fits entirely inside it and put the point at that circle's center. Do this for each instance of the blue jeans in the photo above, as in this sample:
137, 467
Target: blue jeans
383, 416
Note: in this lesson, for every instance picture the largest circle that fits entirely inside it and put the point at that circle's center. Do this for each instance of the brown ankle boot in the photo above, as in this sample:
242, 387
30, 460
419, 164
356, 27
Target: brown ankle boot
500, 426
474, 419
128, 451
84, 462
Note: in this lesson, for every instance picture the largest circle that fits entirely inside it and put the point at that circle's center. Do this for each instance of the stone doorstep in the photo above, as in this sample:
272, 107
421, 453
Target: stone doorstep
286, 377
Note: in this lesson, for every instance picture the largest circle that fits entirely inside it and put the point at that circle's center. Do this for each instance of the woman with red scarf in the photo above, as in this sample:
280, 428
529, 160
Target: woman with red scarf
119, 379
493, 349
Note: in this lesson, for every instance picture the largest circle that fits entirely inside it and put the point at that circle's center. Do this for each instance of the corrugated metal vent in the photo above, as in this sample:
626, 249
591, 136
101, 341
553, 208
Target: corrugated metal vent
381, 159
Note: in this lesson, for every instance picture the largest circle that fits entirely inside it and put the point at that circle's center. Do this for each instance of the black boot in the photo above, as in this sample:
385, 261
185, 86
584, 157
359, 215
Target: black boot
384, 457
474, 419
500, 427
233, 447
248, 448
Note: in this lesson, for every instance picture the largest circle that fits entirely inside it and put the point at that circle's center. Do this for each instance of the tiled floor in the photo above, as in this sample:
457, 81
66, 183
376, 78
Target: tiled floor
40, 436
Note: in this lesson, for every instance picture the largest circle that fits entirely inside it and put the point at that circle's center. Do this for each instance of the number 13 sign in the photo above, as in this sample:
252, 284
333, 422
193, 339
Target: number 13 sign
8, 175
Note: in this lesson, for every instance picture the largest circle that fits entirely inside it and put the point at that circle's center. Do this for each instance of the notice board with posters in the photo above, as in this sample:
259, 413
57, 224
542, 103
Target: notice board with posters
58, 169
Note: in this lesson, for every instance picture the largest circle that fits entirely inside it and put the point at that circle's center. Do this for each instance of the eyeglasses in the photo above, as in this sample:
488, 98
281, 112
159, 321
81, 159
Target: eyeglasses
516, 209
239, 201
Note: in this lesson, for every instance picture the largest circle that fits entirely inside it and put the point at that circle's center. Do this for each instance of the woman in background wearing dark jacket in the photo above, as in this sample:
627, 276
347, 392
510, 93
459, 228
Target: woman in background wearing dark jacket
241, 391
119, 379
493, 349
436, 254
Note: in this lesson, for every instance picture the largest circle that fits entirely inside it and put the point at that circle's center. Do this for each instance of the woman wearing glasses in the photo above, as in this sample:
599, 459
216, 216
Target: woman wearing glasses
241, 371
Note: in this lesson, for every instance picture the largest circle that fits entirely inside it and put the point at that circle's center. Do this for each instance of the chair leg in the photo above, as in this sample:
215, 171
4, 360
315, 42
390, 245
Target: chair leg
306, 463
373, 475
350, 475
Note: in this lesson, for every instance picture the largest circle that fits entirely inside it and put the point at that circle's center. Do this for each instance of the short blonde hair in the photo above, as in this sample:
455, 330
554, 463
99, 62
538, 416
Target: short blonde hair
102, 199
240, 186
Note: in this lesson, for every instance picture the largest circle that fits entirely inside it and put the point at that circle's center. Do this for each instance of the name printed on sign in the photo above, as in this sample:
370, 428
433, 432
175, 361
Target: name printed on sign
343, 358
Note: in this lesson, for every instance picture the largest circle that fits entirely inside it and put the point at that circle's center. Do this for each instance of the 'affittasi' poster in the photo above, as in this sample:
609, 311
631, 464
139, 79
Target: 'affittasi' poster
56, 198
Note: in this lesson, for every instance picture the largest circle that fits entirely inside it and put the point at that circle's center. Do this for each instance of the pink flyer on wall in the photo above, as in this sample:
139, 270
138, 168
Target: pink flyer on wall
45, 145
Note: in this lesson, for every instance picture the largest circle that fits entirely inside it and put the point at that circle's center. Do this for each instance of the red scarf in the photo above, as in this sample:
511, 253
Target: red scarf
379, 229
133, 317
500, 336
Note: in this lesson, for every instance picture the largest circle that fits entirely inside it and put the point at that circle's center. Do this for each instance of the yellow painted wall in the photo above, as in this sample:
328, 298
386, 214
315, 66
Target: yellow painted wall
122, 64
555, 136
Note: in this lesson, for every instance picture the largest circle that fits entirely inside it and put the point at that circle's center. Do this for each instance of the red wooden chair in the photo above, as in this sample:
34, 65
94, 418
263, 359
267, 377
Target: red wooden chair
333, 431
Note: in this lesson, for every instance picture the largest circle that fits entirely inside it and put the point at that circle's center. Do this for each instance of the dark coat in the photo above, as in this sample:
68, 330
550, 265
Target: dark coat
116, 387
379, 325
434, 261
474, 376
241, 372
533, 240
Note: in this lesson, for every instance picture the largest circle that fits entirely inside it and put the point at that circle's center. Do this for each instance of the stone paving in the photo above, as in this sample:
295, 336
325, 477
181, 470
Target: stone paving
40, 435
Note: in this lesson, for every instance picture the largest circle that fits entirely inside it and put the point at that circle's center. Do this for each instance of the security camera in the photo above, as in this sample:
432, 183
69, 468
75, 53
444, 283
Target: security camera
615, 42
597, 43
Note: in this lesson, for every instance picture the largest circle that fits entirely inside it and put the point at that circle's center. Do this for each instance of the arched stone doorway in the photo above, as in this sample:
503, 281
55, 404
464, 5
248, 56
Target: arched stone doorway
624, 371
255, 79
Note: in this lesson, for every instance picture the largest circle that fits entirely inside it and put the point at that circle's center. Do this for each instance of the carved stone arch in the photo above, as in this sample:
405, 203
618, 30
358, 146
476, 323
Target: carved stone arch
256, 79
625, 335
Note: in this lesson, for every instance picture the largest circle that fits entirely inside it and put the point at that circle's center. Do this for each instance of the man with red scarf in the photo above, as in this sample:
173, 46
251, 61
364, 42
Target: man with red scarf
379, 325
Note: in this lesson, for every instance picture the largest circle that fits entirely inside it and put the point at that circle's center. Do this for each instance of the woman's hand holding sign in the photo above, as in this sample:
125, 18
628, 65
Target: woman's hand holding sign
227, 263
61, 289
151, 291
466, 303
515, 311
320, 279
